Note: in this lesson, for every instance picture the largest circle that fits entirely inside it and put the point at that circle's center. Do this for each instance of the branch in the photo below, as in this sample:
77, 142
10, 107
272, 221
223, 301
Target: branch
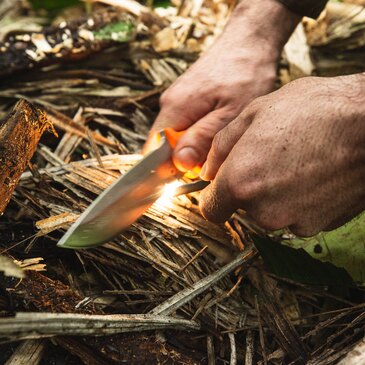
38, 325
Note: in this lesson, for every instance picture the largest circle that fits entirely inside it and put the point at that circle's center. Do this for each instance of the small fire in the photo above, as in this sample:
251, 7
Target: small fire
168, 193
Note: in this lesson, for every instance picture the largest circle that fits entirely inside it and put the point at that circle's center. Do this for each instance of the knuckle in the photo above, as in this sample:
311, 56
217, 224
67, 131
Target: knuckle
201, 140
166, 98
256, 104
300, 83
202, 134
174, 95
251, 110
217, 143
177, 94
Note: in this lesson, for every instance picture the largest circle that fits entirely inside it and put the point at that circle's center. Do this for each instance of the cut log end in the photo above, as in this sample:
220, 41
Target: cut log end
19, 136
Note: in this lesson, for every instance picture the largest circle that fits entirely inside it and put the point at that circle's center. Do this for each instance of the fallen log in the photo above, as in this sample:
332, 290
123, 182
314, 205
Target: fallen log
19, 136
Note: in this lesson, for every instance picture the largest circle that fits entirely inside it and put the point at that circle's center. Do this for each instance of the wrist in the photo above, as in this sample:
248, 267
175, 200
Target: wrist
262, 25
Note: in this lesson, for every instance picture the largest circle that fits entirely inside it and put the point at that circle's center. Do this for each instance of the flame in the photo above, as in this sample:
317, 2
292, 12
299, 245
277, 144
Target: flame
168, 193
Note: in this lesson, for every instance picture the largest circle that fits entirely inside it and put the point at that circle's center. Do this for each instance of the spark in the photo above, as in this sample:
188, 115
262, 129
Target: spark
168, 193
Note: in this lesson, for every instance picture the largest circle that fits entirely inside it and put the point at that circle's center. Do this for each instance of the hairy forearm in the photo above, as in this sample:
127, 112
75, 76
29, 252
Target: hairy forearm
263, 25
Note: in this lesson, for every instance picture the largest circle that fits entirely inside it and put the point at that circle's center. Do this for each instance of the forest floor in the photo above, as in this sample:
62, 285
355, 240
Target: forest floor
79, 93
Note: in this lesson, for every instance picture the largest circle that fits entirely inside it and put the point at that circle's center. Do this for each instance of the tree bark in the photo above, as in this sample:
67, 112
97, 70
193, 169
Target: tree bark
19, 136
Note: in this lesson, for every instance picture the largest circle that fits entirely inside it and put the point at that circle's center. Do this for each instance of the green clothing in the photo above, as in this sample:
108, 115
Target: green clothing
311, 8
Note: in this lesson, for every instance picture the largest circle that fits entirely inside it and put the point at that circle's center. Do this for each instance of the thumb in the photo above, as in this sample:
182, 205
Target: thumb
192, 149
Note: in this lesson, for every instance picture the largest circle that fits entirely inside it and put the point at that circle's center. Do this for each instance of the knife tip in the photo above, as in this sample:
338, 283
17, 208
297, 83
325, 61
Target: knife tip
63, 244
67, 242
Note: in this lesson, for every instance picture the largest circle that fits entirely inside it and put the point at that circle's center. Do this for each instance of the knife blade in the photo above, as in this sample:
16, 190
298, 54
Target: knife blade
125, 200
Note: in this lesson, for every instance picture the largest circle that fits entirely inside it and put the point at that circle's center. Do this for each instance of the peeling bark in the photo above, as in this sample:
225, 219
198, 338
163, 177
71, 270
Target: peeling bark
19, 137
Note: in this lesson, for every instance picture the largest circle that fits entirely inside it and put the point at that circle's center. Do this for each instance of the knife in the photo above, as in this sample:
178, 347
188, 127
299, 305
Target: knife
121, 204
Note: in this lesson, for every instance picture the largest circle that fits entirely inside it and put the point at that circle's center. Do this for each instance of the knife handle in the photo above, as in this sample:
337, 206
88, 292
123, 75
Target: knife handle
173, 136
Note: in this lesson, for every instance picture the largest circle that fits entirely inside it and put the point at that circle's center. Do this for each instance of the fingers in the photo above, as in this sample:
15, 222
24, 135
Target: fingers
223, 166
223, 143
168, 117
179, 110
193, 147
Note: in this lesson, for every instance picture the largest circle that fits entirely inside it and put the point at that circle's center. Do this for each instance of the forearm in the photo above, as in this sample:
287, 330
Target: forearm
262, 25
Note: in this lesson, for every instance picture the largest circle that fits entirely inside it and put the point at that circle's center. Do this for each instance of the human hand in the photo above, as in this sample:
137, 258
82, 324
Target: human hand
238, 68
294, 158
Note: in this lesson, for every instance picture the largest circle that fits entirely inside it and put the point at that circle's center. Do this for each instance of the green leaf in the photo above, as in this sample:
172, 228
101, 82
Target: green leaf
298, 265
343, 247
161, 3
118, 32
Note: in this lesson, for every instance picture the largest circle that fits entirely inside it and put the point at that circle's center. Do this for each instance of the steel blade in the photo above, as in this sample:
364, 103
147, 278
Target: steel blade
124, 201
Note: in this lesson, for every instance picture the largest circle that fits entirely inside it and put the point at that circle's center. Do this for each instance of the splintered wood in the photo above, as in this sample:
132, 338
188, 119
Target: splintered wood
19, 136
52, 324
167, 237
28, 352
103, 109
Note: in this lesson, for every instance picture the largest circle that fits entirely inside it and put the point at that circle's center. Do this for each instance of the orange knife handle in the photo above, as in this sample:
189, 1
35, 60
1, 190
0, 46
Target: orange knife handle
173, 136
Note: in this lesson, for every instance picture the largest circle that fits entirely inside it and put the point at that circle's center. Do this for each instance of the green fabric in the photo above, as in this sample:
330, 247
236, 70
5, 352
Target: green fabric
311, 8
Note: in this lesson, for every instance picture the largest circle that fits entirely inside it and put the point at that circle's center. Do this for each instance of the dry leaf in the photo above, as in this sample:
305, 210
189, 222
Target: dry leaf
10, 268
165, 40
